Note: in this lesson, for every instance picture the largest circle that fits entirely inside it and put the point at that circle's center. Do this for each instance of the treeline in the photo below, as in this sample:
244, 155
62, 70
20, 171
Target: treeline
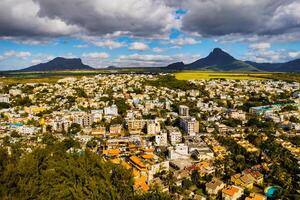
57, 171
171, 82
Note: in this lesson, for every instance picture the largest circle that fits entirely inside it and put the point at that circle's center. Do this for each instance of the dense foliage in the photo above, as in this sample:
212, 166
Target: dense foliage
58, 171
171, 82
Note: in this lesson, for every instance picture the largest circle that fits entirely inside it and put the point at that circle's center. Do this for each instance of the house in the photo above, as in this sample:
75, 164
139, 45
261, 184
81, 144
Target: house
214, 186
99, 132
115, 130
256, 196
243, 180
232, 192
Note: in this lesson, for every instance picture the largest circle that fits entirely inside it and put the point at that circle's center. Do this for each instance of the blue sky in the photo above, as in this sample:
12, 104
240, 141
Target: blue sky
146, 33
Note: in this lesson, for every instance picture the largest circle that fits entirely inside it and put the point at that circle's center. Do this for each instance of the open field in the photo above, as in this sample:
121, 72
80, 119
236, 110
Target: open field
22, 80
198, 75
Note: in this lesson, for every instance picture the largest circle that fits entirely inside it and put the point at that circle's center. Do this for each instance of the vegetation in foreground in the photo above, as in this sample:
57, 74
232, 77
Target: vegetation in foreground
58, 171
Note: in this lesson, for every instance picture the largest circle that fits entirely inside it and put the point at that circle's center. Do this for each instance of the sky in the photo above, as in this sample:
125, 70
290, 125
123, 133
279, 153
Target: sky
146, 33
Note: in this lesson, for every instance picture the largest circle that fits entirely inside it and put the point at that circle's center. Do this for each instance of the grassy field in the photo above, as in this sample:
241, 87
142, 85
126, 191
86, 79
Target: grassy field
22, 80
200, 75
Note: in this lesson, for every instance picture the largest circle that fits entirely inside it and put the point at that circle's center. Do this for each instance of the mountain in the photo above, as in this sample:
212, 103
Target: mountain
111, 67
291, 66
60, 64
219, 60
177, 65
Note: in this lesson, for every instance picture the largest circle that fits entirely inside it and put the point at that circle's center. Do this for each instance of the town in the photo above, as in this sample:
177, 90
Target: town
199, 139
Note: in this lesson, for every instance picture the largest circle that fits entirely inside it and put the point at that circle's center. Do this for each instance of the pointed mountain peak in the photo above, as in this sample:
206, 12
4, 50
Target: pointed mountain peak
220, 57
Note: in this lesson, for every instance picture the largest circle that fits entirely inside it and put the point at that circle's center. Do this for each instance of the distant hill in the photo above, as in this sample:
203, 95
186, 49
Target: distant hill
219, 60
291, 66
59, 64
111, 67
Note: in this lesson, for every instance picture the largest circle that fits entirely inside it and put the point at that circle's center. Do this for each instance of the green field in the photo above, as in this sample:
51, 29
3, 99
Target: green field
200, 75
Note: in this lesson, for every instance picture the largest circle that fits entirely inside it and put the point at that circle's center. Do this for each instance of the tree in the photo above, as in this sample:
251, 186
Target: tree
4, 105
74, 129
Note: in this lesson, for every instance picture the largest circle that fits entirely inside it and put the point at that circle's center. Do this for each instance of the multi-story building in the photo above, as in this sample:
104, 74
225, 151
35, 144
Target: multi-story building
162, 139
183, 110
153, 127
190, 125
135, 126
84, 120
175, 136
4, 98
111, 110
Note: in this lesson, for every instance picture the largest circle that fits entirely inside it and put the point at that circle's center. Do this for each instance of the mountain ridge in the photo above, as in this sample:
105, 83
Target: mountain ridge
219, 60
59, 64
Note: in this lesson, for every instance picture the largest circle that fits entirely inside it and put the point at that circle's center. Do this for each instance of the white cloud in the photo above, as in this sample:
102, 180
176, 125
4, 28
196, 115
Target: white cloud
138, 46
158, 50
81, 46
21, 19
95, 55
183, 41
15, 54
294, 54
260, 46
149, 60
269, 55
41, 58
111, 44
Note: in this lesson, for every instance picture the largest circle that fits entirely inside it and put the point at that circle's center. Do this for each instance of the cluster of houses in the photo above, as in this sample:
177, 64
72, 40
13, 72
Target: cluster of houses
135, 124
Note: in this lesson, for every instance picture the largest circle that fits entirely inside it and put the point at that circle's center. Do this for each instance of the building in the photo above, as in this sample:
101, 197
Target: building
111, 110
180, 151
174, 134
99, 132
214, 186
256, 196
4, 98
135, 126
243, 180
153, 127
190, 125
232, 193
84, 120
27, 130
162, 139
115, 130
183, 111
15, 92
34, 109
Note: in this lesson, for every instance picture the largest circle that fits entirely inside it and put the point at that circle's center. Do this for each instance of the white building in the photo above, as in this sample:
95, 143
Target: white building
183, 110
27, 130
111, 110
153, 127
179, 151
190, 125
4, 98
15, 92
162, 139
175, 136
